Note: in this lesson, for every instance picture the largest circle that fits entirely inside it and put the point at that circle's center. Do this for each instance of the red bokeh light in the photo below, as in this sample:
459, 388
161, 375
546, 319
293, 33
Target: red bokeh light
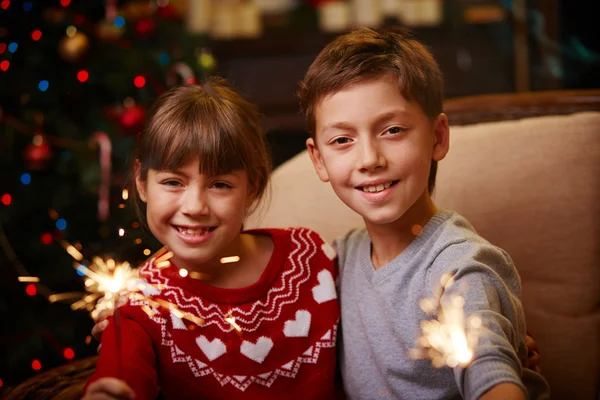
36, 365
4, 5
65, 3
46, 238
36, 35
2, 47
83, 75
4, 65
139, 81
6, 199
31, 290
69, 354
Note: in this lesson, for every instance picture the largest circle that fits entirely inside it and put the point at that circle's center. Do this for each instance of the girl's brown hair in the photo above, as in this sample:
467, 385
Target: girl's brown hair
210, 122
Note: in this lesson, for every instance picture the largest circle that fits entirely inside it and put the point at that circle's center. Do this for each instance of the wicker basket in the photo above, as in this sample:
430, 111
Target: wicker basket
61, 383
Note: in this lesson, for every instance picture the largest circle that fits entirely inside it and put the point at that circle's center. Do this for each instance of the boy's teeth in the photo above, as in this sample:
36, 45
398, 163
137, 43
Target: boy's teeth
377, 188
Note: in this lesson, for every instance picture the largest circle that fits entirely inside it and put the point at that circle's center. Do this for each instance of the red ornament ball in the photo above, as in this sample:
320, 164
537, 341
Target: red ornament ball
38, 154
145, 27
132, 118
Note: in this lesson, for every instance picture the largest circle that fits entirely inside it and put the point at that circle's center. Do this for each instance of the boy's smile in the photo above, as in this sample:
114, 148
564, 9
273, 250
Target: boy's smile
376, 154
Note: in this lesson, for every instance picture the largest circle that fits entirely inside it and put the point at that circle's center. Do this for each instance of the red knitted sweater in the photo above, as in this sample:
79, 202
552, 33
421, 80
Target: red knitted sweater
286, 347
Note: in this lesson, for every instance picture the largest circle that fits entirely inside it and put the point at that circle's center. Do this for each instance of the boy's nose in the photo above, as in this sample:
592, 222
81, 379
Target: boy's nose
370, 157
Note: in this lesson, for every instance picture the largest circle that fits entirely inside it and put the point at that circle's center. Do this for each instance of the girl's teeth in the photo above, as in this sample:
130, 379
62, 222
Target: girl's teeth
193, 232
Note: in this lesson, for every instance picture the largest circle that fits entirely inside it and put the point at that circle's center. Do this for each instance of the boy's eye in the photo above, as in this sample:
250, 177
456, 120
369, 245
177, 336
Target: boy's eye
395, 130
340, 140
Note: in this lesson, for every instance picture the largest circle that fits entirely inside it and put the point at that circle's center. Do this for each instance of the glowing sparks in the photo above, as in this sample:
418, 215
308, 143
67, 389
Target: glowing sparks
125, 194
450, 339
232, 259
73, 252
183, 272
231, 321
121, 231
109, 284
28, 279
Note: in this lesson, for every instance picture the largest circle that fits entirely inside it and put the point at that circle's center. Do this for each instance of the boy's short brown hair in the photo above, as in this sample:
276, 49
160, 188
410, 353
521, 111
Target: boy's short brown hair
366, 54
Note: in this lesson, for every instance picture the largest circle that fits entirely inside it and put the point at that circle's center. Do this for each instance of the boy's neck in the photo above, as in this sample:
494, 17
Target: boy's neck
389, 240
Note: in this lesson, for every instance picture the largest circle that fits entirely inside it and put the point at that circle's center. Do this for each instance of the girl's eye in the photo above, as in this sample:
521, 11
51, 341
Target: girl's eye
221, 185
340, 140
171, 182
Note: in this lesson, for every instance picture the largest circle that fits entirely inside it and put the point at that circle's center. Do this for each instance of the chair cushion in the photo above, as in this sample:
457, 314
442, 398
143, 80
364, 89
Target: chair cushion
532, 187
297, 197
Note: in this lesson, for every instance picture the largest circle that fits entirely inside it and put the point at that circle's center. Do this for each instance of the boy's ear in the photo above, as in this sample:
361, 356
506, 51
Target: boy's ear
317, 160
140, 185
441, 143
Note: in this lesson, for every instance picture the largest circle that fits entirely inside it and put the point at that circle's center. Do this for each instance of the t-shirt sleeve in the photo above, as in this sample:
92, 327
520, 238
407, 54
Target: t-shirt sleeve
486, 279
128, 354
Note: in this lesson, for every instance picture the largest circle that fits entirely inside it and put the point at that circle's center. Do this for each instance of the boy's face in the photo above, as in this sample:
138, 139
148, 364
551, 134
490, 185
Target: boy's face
375, 148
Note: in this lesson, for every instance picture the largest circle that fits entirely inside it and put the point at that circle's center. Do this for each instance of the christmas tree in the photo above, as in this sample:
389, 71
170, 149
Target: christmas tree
76, 79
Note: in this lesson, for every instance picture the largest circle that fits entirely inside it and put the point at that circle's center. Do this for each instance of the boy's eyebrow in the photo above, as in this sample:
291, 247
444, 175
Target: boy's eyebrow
344, 125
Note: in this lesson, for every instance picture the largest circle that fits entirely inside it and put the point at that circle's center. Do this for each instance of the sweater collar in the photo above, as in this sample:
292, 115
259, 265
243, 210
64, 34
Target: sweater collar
246, 294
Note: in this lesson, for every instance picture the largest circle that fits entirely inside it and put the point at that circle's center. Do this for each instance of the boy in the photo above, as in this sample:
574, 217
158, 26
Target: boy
373, 103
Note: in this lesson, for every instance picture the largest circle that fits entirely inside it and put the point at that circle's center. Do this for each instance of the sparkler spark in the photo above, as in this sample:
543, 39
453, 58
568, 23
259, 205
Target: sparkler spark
450, 339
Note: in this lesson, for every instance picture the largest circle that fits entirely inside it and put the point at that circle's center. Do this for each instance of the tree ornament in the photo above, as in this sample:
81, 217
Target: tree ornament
132, 117
145, 27
38, 154
106, 30
72, 47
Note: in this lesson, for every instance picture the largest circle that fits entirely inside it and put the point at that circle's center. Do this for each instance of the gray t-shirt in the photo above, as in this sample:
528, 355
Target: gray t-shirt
381, 315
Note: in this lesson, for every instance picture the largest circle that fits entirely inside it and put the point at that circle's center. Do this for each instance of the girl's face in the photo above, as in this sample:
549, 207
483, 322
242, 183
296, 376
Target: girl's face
197, 217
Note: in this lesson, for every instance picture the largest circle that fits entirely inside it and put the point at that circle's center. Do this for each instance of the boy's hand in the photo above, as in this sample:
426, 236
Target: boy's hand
533, 354
109, 388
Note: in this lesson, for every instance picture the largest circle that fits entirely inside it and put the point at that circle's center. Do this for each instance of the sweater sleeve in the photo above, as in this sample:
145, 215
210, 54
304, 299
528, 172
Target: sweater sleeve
485, 277
131, 347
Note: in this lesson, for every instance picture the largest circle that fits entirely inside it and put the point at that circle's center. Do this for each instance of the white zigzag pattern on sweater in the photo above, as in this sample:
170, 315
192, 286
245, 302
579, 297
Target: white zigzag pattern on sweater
272, 304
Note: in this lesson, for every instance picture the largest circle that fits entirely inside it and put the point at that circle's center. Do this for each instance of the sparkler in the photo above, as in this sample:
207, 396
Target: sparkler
450, 339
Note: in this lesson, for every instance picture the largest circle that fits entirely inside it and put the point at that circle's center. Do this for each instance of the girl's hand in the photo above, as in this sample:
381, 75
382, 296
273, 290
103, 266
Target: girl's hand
533, 354
101, 319
109, 389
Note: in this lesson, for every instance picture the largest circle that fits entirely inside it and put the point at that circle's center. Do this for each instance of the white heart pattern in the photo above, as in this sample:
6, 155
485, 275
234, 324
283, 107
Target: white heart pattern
329, 251
325, 290
257, 351
298, 327
212, 350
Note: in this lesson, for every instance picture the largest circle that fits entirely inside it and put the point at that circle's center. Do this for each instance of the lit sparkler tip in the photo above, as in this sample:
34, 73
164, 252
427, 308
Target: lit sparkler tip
448, 340
230, 259
28, 279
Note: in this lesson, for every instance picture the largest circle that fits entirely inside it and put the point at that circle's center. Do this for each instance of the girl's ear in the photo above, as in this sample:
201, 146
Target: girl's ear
140, 184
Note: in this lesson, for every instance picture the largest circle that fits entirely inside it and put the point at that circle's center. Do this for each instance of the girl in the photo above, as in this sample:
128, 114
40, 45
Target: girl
230, 313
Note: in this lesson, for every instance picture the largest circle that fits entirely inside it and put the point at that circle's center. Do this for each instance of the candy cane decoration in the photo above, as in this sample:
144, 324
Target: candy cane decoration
111, 10
103, 141
183, 71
